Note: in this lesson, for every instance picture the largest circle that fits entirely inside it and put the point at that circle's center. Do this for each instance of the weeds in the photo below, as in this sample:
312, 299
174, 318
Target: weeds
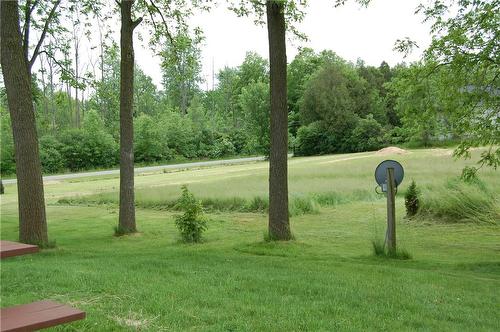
380, 250
299, 204
460, 202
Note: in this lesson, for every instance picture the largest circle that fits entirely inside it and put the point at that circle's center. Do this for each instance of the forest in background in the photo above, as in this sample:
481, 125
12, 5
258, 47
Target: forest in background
335, 106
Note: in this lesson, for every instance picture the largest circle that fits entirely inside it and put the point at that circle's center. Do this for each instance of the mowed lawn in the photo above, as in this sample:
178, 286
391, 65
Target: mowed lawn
327, 279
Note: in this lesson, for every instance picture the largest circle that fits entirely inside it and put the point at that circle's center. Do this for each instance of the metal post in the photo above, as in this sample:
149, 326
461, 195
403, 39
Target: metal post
391, 211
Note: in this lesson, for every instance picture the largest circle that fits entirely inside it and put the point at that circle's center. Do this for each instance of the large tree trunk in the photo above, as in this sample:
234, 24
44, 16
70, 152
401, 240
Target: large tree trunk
127, 208
32, 219
279, 225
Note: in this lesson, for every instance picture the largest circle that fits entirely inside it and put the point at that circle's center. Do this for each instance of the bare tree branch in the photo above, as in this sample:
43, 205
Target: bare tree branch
44, 33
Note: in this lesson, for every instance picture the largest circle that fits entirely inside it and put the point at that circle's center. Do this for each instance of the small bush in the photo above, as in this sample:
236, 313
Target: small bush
192, 223
412, 201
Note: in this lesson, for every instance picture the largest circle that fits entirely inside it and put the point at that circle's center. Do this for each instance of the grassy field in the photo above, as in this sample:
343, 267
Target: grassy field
327, 279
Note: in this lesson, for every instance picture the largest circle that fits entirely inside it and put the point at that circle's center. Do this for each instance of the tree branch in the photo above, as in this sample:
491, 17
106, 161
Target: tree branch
60, 65
26, 28
36, 52
136, 23
167, 32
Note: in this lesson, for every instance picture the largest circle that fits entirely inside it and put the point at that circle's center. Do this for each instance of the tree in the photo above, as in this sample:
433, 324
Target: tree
228, 89
422, 103
328, 98
466, 45
126, 222
16, 69
281, 15
182, 68
254, 101
156, 10
279, 224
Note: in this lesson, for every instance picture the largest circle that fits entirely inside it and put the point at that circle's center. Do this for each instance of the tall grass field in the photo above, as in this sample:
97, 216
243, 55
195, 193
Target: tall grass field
327, 279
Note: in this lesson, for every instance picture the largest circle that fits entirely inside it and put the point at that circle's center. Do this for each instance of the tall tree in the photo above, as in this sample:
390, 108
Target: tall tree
126, 223
466, 45
279, 224
16, 69
182, 68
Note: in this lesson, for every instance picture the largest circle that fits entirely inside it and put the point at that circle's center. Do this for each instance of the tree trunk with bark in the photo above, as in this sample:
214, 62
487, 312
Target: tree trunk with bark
15, 69
126, 222
279, 225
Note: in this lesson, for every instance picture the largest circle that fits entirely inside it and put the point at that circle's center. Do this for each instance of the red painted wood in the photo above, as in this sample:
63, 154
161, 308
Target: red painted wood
10, 249
37, 315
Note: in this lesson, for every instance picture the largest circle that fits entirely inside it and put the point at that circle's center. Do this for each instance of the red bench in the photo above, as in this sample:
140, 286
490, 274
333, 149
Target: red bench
10, 249
36, 315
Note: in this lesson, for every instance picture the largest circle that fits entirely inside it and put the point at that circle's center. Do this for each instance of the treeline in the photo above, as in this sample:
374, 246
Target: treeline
334, 106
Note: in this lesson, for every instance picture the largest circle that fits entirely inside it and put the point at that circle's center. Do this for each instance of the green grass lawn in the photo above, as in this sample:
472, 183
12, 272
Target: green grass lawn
327, 279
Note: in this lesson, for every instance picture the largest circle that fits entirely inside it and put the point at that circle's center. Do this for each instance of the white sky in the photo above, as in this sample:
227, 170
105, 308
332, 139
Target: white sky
351, 31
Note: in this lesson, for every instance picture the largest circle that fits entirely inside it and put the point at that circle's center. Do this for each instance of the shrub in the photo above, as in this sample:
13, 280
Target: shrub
150, 143
222, 146
50, 155
367, 136
192, 223
412, 201
311, 140
83, 149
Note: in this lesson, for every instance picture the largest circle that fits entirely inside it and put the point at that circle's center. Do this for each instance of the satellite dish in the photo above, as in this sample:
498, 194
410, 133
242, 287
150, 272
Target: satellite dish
381, 173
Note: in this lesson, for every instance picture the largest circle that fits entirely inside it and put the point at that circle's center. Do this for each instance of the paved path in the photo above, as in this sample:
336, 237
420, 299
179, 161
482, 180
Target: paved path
145, 169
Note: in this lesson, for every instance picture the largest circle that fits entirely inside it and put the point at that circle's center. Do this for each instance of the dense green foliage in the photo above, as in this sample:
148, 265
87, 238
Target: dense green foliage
457, 83
334, 105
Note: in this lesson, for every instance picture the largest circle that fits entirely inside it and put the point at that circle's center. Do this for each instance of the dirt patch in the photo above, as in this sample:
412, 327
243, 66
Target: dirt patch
391, 150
